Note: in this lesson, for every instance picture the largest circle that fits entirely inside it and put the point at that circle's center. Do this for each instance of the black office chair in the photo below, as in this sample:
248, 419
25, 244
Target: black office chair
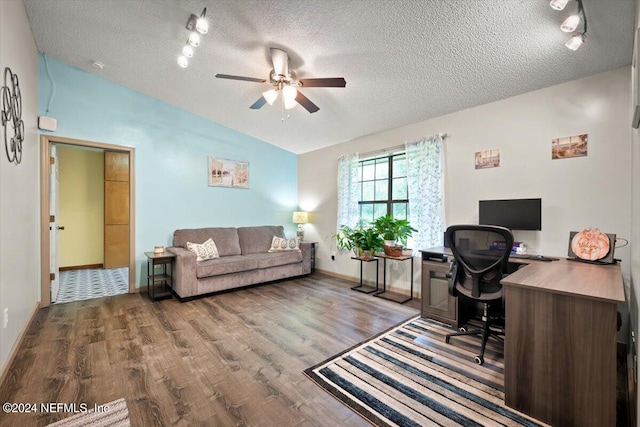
481, 257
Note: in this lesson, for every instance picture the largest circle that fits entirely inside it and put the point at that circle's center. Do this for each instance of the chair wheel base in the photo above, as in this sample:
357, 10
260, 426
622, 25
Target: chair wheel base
462, 329
479, 360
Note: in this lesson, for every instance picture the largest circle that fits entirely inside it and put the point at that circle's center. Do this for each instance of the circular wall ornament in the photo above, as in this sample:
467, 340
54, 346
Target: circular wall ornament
11, 116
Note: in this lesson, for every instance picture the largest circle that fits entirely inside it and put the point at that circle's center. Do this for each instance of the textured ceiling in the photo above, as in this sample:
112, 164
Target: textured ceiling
404, 61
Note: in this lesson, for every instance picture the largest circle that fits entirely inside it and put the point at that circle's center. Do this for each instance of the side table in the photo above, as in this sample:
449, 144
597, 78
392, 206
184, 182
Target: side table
389, 296
365, 288
159, 278
313, 255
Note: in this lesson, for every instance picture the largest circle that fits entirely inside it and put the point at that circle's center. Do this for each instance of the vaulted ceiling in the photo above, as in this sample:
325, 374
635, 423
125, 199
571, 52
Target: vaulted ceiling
404, 61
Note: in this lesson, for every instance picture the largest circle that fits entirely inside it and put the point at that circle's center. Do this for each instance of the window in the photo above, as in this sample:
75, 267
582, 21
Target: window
383, 187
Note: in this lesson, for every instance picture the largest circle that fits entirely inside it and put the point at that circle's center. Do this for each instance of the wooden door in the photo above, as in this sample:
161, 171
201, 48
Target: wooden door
116, 209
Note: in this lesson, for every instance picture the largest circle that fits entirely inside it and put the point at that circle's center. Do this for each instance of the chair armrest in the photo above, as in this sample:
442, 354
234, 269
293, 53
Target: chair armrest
185, 283
452, 275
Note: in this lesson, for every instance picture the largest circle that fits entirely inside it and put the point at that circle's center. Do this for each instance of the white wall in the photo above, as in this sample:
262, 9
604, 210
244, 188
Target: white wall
635, 202
576, 193
19, 237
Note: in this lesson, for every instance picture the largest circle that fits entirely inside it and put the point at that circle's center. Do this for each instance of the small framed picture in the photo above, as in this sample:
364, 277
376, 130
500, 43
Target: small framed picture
228, 173
569, 146
488, 159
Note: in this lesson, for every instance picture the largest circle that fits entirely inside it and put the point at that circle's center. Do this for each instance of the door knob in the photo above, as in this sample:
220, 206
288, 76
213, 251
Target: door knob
61, 227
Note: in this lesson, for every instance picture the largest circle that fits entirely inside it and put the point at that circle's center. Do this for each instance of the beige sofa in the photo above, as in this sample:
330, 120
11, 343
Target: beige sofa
244, 260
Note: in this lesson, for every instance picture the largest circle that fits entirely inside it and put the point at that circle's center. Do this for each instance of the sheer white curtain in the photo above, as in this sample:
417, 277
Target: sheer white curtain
348, 191
425, 178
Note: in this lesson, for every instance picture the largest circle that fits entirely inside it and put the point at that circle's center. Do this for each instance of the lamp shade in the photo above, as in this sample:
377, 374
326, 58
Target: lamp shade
300, 217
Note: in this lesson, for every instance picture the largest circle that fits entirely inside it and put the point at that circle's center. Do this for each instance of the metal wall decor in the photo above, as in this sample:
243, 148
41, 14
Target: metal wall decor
12, 114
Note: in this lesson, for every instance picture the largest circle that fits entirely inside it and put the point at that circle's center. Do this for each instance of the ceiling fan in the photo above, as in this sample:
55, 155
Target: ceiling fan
286, 81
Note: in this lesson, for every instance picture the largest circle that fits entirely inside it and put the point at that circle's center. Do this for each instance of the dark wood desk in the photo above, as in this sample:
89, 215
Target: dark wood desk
560, 342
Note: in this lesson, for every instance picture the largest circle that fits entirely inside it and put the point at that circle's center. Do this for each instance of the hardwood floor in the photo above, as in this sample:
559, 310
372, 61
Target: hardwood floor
233, 359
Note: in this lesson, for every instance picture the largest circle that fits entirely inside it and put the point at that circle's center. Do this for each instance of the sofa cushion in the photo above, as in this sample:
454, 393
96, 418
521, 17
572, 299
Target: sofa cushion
256, 240
226, 239
274, 259
205, 251
225, 265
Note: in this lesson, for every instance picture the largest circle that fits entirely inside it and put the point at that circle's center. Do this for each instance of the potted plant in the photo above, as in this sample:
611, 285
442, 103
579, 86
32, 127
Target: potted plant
393, 230
364, 240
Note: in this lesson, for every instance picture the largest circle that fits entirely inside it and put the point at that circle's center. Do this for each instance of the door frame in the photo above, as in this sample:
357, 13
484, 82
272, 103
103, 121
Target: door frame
45, 145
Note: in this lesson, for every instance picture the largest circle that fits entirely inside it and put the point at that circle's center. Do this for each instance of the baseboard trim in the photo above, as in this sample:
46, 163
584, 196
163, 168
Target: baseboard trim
356, 281
16, 345
352, 279
82, 267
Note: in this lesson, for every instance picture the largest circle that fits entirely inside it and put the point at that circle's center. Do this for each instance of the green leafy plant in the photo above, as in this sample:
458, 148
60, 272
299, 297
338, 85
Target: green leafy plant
391, 228
363, 237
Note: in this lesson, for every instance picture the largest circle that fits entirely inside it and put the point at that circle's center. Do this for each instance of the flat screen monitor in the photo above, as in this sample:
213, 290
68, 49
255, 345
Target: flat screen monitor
515, 214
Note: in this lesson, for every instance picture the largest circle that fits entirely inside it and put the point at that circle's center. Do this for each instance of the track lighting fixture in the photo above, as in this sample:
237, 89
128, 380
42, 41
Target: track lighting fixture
570, 24
202, 26
558, 4
575, 41
187, 51
197, 26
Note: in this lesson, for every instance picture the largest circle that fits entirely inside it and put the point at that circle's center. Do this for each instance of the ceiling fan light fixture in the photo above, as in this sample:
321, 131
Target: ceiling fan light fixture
289, 93
183, 61
570, 24
194, 39
575, 42
289, 103
187, 51
558, 4
270, 96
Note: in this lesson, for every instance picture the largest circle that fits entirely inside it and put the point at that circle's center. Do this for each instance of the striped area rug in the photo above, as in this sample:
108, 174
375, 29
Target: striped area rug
113, 414
408, 376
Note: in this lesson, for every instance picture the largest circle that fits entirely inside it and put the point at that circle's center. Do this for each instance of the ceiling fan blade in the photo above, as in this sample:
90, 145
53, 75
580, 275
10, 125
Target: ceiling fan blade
328, 82
280, 61
246, 79
259, 103
306, 103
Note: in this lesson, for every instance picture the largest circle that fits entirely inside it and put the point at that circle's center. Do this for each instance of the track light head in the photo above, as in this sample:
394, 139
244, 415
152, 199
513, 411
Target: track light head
575, 42
558, 4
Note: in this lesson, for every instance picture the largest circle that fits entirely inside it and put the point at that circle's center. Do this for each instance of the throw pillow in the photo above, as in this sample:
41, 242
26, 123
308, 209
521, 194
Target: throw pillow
207, 250
279, 244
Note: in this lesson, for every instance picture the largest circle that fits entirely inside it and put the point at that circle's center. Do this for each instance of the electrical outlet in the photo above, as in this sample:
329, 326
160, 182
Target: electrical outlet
394, 265
5, 318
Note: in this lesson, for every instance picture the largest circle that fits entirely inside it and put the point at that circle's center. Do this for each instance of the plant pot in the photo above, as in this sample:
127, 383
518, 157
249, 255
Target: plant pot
366, 255
390, 242
394, 251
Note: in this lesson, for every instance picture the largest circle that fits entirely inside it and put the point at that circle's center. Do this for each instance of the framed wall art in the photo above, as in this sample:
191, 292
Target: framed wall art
228, 173
569, 146
488, 159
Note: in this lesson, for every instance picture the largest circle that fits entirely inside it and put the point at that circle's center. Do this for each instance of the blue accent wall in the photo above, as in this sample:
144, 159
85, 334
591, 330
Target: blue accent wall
171, 150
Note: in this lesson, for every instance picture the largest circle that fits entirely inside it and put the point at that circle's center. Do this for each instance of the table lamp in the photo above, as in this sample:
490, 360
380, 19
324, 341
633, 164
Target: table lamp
300, 218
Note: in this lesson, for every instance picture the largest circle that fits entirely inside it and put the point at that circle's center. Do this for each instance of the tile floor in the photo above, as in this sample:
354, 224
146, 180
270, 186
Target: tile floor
77, 285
